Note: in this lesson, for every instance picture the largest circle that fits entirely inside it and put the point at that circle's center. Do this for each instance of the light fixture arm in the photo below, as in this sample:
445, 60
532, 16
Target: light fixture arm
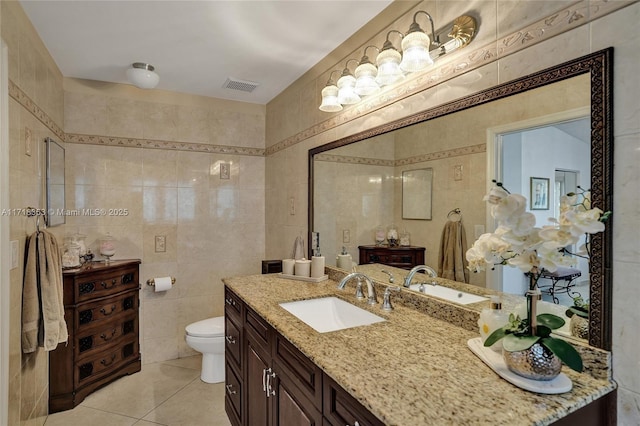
435, 40
365, 58
330, 81
346, 70
387, 43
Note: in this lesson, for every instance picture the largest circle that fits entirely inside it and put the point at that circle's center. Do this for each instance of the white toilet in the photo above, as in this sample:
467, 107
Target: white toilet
207, 337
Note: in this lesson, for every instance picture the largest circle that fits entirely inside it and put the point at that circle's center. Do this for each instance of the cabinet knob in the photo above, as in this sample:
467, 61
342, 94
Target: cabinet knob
104, 310
106, 337
230, 391
106, 286
230, 340
108, 362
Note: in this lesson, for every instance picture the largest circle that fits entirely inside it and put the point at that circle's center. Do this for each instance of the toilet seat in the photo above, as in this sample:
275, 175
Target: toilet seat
210, 327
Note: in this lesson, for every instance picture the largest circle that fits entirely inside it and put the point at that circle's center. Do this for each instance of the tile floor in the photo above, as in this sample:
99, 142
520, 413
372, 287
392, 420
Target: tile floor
166, 393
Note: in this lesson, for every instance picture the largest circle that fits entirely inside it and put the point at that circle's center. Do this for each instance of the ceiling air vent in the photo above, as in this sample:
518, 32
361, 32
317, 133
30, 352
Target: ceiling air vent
242, 85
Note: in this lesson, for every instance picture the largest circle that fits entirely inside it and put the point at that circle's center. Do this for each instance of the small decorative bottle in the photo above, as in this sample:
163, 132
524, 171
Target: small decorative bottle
492, 319
392, 236
405, 238
380, 235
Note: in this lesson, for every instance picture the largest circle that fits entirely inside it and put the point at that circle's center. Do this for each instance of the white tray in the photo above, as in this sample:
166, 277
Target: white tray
493, 359
306, 279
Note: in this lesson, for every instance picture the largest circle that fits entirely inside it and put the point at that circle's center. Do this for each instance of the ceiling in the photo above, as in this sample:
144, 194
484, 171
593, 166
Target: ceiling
196, 45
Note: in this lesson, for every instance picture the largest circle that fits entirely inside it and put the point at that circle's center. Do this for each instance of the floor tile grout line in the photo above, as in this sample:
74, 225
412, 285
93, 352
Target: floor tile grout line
171, 396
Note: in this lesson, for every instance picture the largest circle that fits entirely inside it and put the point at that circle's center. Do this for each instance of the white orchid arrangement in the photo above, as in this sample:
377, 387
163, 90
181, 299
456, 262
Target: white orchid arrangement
517, 242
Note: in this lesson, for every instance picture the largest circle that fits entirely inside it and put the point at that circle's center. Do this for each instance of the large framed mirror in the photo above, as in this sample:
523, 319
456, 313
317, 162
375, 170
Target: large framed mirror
342, 195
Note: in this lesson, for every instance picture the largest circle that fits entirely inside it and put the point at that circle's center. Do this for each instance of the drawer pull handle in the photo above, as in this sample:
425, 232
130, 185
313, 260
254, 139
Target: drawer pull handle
229, 301
229, 391
230, 340
106, 287
355, 424
106, 337
104, 311
107, 363
270, 374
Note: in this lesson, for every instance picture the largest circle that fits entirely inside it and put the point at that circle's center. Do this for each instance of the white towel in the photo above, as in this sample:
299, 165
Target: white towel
43, 321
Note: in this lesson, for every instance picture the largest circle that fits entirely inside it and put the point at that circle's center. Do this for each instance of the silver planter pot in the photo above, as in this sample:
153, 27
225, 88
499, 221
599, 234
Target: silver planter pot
536, 363
579, 327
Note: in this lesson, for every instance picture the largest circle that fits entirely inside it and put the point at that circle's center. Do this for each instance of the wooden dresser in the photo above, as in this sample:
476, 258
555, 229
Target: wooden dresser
401, 257
101, 303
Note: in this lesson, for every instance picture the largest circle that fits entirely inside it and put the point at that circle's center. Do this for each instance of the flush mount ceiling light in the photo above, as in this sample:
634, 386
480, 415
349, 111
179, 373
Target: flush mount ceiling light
419, 51
143, 75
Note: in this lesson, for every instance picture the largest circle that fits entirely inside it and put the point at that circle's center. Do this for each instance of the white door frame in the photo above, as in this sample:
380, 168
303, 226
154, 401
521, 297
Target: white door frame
5, 247
494, 164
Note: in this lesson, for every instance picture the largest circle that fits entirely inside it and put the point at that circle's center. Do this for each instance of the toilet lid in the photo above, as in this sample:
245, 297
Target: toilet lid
209, 327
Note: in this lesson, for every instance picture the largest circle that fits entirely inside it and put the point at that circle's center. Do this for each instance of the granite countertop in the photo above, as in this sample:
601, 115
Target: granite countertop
412, 369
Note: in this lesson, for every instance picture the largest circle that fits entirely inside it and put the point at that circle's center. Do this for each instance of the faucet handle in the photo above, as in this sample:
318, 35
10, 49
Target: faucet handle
386, 298
359, 293
391, 279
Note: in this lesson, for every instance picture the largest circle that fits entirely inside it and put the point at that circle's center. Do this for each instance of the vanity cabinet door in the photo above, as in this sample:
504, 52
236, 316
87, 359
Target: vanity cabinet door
290, 405
258, 365
340, 408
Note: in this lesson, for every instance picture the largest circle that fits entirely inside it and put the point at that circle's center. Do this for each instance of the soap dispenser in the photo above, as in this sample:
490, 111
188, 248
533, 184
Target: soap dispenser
344, 261
492, 319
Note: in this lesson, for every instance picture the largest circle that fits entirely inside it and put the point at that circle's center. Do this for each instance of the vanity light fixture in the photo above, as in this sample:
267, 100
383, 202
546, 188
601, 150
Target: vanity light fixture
330, 96
419, 51
388, 61
143, 75
416, 46
366, 75
347, 86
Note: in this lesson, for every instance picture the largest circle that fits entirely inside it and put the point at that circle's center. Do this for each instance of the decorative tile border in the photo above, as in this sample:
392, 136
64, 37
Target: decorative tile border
456, 152
18, 95
345, 159
573, 16
160, 144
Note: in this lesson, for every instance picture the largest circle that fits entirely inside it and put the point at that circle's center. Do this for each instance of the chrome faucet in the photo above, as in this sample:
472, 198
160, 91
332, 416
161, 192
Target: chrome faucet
391, 279
371, 290
429, 270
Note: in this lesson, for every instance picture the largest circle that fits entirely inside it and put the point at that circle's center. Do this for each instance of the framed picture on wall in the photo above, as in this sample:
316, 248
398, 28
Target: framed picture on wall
539, 197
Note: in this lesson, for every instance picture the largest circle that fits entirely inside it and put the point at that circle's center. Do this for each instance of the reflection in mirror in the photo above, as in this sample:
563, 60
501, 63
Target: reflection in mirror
416, 194
357, 186
55, 183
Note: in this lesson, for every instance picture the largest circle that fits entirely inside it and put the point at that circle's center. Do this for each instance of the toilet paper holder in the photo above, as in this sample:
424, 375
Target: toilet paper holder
152, 281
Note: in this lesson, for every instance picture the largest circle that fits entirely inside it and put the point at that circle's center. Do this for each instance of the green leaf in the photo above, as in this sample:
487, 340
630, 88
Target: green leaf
564, 351
550, 320
543, 331
495, 336
513, 343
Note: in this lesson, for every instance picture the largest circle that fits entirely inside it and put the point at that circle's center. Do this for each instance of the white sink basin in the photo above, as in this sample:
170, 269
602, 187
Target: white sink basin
449, 294
330, 314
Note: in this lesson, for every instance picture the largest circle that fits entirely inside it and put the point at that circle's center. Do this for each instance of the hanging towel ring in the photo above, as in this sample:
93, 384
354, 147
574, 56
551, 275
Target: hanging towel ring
457, 215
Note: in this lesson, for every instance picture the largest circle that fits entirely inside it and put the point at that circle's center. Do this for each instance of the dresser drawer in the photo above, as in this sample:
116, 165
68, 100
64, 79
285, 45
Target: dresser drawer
232, 305
98, 313
105, 362
232, 342
105, 283
96, 339
233, 394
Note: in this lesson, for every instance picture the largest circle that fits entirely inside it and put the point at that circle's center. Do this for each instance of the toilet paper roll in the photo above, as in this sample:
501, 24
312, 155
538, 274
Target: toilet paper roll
162, 284
317, 266
287, 266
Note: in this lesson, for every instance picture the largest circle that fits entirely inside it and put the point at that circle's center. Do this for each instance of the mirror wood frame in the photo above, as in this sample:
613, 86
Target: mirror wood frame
599, 66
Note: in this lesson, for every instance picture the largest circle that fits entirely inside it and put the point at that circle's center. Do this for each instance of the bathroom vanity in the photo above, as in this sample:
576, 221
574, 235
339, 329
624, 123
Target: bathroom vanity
409, 369
101, 305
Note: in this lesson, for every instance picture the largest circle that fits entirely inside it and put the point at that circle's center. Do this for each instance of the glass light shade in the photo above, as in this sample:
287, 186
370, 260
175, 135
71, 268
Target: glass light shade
330, 99
143, 78
346, 90
366, 79
415, 52
389, 67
